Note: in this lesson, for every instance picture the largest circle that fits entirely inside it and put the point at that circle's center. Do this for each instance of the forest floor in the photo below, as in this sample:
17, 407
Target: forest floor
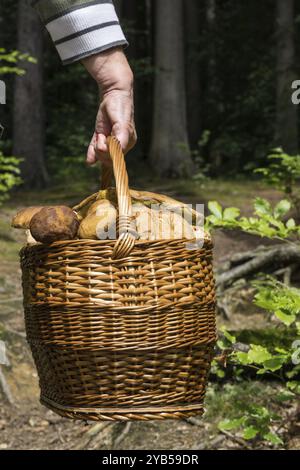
25, 424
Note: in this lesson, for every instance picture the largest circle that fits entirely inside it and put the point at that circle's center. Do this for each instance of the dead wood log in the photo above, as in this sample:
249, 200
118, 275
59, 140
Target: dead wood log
267, 259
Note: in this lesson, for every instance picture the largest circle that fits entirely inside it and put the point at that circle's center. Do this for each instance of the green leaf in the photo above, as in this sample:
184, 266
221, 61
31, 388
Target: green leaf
212, 220
262, 206
228, 336
250, 432
282, 208
293, 385
273, 438
231, 213
258, 354
286, 318
242, 358
275, 363
229, 424
220, 373
259, 412
216, 209
290, 224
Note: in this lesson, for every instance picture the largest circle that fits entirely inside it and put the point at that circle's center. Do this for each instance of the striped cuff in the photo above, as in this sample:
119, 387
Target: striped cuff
80, 28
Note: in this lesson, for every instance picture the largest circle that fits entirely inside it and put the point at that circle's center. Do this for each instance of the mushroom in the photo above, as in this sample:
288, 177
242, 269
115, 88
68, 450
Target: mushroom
156, 216
29, 238
100, 221
22, 219
51, 224
160, 222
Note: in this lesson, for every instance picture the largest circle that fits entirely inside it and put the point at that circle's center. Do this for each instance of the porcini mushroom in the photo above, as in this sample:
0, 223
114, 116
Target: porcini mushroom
23, 218
51, 224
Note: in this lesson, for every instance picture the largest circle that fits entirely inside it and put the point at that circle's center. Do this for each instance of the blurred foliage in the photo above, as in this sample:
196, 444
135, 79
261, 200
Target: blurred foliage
9, 175
9, 62
276, 298
237, 105
267, 221
10, 166
283, 173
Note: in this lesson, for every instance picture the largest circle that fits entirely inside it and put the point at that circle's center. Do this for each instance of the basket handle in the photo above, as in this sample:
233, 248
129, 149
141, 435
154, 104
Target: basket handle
127, 235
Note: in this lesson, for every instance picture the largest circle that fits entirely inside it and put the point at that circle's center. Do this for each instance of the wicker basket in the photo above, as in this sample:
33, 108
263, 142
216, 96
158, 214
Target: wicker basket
120, 330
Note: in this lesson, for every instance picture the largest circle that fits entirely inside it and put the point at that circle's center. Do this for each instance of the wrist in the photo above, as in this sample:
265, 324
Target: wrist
110, 69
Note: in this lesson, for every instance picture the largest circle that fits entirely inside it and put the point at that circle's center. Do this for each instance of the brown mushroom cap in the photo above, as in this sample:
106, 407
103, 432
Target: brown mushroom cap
51, 224
23, 217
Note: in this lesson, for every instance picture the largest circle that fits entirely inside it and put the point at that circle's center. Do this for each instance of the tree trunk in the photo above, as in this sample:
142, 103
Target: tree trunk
170, 155
211, 20
193, 74
286, 134
28, 119
215, 158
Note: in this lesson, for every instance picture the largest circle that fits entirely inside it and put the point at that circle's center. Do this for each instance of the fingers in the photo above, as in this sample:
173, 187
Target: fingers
115, 117
91, 154
101, 144
97, 149
126, 135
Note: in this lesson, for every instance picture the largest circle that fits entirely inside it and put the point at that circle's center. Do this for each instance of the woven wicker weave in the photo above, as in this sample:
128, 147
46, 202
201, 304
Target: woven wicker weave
122, 329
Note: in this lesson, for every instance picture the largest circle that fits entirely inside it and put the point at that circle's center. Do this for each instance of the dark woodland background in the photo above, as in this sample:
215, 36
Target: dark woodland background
213, 97
212, 89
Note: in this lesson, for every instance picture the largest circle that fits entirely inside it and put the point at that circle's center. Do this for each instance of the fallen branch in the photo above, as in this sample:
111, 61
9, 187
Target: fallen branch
91, 435
275, 257
238, 258
123, 434
236, 439
194, 421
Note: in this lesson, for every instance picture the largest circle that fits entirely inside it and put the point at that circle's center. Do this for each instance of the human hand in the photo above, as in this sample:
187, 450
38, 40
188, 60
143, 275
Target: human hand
113, 74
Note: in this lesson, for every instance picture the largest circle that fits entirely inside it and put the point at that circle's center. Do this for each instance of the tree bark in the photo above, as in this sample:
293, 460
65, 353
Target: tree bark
170, 155
286, 133
28, 112
193, 72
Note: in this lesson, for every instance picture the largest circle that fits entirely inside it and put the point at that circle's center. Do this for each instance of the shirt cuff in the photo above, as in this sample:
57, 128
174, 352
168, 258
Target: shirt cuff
84, 29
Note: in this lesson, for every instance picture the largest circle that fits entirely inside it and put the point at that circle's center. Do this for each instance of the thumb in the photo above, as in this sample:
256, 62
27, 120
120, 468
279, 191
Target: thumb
122, 133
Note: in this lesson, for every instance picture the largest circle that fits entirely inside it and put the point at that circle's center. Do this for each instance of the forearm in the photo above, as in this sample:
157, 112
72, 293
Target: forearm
110, 70
89, 30
114, 77
80, 28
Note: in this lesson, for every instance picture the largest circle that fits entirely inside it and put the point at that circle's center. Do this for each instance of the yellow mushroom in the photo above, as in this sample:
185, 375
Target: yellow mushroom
23, 218
100, 221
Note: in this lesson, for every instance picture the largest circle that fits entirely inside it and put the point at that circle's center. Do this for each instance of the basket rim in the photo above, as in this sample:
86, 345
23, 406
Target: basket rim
207, 242
125, 409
